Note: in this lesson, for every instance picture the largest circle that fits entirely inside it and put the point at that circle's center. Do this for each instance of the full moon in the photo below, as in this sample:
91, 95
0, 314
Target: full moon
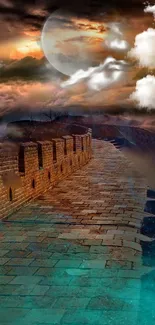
68, 42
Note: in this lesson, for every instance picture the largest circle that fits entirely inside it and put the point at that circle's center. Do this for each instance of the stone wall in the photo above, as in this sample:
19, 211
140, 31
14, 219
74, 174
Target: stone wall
141, 137
105, 131
34, 167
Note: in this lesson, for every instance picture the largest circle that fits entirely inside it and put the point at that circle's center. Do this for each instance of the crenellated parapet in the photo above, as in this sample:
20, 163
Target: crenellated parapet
32, 168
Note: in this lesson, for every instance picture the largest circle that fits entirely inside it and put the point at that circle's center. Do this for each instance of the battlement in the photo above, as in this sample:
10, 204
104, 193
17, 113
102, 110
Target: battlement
34, 167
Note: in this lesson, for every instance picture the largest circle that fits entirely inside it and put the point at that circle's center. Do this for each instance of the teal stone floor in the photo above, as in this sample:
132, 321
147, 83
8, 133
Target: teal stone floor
75, 255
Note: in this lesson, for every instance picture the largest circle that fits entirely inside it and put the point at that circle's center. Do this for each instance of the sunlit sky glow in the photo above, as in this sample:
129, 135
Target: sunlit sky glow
24, 68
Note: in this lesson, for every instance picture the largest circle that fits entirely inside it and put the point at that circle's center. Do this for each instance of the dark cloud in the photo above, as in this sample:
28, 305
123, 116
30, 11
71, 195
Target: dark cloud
77, 39
25, 10
15, 15
57, 20
28, 68
93, 7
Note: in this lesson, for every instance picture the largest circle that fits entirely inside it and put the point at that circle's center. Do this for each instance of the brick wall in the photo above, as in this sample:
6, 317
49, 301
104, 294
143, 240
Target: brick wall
33, 168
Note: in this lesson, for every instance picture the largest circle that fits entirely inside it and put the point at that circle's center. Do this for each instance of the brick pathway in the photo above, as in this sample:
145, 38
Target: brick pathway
73, 256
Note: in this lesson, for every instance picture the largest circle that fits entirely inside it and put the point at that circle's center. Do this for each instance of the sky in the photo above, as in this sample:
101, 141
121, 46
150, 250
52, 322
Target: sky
60, 55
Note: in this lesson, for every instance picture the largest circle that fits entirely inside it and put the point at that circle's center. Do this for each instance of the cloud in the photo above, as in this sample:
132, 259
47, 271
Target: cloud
116, 44
28, 68
9, 131
150, 9
21, 98
116, 28
144, 52
113, 39
100, 77
3, 128
32, 96
6, 3
144, 94
144, 48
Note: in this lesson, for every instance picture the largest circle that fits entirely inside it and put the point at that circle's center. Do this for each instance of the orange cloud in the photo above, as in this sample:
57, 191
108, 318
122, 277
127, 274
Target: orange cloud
39, 96
87, 25
29, 48
32, 33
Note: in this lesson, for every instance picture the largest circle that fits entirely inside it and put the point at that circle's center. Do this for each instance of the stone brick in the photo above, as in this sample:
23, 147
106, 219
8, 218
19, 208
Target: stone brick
99, 249
105, 303
37, 169
45, 316
4, 279
44, 271
23, 279
119, 264
13, 315
43, 263
68, 263
39, 290
19, 261
56, 280
93, 242
96, 264
71, 303
8, 289
82, 317
60, 258
22, 270
3, 252
4, 260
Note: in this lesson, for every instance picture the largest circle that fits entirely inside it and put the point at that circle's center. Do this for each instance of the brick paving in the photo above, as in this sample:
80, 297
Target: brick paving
74, 255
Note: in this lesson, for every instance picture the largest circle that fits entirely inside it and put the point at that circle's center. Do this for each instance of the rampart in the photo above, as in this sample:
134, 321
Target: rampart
143, 138
34, 167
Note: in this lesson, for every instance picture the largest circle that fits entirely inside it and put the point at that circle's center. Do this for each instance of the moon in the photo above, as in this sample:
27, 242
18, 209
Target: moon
66, 44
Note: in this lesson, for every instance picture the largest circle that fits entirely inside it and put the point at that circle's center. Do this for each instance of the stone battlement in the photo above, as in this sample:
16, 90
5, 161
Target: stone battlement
34, 167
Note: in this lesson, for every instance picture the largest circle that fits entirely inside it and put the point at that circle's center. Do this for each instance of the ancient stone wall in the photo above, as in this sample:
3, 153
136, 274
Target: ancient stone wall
104, 131
142, 138
35, 167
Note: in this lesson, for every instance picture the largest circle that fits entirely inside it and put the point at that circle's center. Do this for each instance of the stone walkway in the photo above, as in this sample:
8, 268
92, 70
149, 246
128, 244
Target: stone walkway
74, 255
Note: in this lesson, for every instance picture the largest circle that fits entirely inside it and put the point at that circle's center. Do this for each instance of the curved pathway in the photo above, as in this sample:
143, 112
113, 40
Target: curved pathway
75, 254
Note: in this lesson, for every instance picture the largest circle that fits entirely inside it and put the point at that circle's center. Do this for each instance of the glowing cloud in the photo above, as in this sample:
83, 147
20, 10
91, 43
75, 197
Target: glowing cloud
116, 28
6, 130
103, 76
116, 44
26, 48
150, 9
144, 48
144, 94
113, 39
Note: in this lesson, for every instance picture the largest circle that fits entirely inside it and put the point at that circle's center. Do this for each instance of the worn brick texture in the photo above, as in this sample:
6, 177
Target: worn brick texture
73, 255
32, 168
